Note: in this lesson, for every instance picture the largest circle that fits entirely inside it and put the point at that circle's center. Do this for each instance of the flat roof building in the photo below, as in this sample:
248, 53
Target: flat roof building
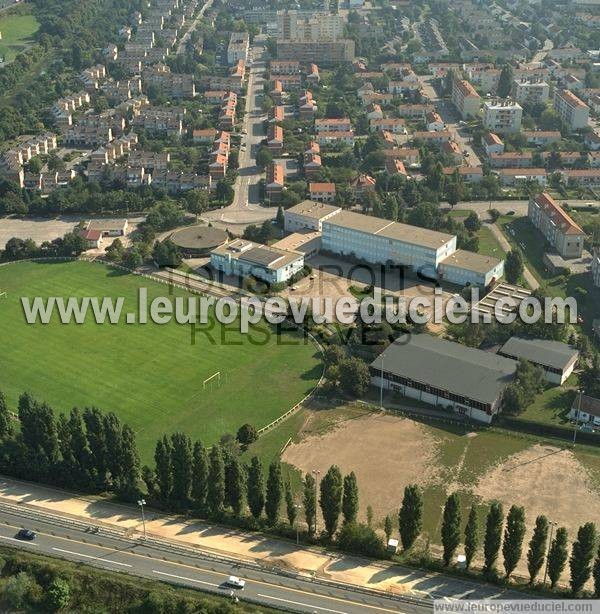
502, 116
556, 359
448, 375
244, 258
471, 269
308, 215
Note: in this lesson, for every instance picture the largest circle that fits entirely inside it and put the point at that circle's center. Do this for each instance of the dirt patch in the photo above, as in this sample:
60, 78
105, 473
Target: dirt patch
545, 480
385, 452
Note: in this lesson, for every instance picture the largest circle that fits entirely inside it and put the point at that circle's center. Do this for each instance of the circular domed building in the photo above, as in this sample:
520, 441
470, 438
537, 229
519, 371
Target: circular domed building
196, 241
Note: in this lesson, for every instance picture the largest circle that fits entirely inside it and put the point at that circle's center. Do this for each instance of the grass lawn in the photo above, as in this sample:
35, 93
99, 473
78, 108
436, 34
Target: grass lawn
150, 375
521, 233
488, 244
17, 33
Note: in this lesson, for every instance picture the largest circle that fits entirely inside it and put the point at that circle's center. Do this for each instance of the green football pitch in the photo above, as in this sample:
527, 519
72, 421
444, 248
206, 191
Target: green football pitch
150, 375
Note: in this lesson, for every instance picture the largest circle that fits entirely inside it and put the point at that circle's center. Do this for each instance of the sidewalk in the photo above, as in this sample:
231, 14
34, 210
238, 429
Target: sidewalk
250, 547
534, 284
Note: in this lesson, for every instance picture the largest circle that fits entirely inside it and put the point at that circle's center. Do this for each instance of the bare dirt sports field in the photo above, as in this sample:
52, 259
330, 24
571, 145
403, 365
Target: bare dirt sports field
387, 452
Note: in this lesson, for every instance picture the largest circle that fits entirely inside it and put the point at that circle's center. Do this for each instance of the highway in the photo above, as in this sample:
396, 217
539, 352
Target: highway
194, 569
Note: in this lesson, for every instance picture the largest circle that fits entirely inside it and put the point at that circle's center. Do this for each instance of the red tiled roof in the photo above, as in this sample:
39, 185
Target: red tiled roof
557, 214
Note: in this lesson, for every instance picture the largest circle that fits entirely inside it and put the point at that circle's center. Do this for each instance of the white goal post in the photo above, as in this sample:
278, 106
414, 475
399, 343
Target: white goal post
209, 380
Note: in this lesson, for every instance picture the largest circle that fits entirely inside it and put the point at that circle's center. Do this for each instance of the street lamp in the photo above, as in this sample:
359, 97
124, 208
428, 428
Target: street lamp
580, 392
316, 473
552, 525
141, 503
381, 383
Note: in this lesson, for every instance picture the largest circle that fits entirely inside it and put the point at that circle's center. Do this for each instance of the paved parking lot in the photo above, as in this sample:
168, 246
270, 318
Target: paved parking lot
39, 230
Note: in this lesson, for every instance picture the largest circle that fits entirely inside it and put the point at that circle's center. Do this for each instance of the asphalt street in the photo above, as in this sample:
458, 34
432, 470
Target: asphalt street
145, 560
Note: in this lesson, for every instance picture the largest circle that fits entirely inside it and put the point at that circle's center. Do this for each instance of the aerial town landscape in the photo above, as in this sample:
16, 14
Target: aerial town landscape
300, 305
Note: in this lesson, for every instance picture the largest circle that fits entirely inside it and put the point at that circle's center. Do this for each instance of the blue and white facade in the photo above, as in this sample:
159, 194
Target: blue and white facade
244, 258
380, 241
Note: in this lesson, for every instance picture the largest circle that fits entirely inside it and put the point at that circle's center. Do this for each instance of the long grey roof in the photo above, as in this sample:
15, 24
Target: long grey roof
479, 375
541, 351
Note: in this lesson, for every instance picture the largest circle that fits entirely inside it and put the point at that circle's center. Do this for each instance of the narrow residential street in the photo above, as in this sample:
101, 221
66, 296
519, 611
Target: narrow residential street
246, 207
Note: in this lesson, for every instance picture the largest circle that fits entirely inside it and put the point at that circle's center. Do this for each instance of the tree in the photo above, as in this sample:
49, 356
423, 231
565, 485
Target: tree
58, 595
493, 535
164, 473
129, 475
355, 378
596, 574
361, 539
246, 435
215, 496
166, 253
537, 548
236, 485
471, 536
451, 527
350, 498
505, 81
224, 192
557, 556
331, 499
5, 418
181, 467
472, 222
290, 505
274, 493
388, 527
256, 487
115, 251
513, 538
513, 267
279, 219
309, 499
196, 201
264, 157
410, 518
582, 555
199, 475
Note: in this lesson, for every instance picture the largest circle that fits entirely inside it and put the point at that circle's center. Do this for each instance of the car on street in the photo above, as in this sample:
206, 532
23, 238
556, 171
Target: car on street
511, 212
235, 582
26, 534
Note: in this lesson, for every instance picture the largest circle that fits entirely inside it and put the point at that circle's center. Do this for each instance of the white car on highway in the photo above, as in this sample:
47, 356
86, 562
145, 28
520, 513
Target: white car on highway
235, 582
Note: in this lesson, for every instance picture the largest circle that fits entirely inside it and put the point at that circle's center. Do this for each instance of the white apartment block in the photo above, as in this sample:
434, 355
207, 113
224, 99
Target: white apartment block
573, 111
465, 98
308, 215
556, 225
532, 92
502, 116
309, 26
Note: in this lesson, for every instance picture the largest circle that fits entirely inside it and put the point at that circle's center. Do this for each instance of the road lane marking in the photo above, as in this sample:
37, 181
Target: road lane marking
171, 575
88, 556
306, 605
20, 541
220, 573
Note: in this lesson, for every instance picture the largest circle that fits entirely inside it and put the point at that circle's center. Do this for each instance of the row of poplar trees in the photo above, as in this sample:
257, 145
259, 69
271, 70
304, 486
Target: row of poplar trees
84, 450
507, 535
216, 480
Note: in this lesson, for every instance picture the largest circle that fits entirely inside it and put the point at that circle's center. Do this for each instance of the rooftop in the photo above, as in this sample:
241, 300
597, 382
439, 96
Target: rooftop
540, 351
309, 208
257, 254
471, 261
461, 370
557, 214
392, 230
